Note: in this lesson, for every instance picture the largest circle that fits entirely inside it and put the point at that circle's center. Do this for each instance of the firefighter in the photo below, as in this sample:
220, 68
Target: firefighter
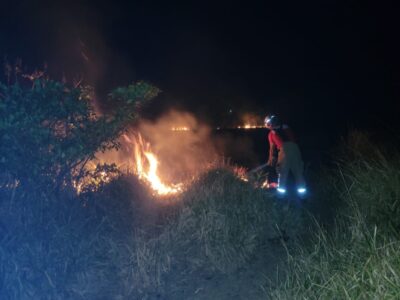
284, 154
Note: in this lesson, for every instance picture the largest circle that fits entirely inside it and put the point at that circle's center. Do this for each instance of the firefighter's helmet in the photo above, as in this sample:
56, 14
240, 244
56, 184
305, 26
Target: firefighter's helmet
272, 121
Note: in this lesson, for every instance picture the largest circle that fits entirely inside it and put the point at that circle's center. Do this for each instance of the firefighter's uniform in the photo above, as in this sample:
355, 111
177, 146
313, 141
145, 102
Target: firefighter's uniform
289, 157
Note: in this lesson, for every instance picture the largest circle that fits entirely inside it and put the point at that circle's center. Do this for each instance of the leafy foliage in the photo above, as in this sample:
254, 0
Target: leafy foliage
49, 130
134, 92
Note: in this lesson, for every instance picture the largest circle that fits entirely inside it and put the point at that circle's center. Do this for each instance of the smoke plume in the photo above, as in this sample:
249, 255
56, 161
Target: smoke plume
181, 153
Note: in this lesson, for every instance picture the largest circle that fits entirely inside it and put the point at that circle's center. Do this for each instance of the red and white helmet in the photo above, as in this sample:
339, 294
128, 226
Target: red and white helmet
272, 121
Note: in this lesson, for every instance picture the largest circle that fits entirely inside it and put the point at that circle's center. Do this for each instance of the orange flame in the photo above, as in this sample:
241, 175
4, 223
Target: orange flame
180, 128
250, 126
147, 167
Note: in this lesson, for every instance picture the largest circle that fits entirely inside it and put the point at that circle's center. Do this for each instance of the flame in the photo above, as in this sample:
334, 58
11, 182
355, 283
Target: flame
250, 126
147, 168
241, 173
95, 178
181, 128
144, 164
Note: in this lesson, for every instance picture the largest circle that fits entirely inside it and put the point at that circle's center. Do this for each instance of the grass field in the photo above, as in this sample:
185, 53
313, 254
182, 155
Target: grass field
121, 242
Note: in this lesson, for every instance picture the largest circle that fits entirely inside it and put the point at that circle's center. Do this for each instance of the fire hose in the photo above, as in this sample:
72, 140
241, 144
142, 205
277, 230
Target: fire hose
259, 168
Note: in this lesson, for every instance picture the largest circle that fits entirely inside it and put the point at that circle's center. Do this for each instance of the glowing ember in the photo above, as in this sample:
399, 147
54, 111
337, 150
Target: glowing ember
97, 175
147, 166
241, 173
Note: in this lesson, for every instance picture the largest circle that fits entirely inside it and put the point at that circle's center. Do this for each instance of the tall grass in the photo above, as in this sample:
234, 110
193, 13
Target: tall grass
218, 225
371, 182
221, 221
121, 243
359, 256
69, 248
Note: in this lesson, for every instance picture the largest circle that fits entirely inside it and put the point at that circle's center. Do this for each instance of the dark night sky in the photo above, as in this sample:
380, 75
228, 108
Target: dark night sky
322, 64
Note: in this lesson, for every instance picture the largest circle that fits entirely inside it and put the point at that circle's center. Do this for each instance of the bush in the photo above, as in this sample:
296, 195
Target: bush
49, 130
54, 244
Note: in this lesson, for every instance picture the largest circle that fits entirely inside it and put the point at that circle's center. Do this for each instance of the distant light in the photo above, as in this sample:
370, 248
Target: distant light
281, 190
180, 128
301, 190
249, 126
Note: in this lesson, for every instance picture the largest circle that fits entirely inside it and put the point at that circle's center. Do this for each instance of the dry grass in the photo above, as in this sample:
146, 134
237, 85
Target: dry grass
119, 243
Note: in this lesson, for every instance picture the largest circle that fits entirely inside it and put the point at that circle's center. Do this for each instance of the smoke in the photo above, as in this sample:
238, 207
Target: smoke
181, 153
184, 154
72, 40
251, 119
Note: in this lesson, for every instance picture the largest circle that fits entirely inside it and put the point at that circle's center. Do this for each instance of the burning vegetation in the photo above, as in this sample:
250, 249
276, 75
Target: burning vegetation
250, 121
249, 126
165, 160
51, 140
138, 160
146, 167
